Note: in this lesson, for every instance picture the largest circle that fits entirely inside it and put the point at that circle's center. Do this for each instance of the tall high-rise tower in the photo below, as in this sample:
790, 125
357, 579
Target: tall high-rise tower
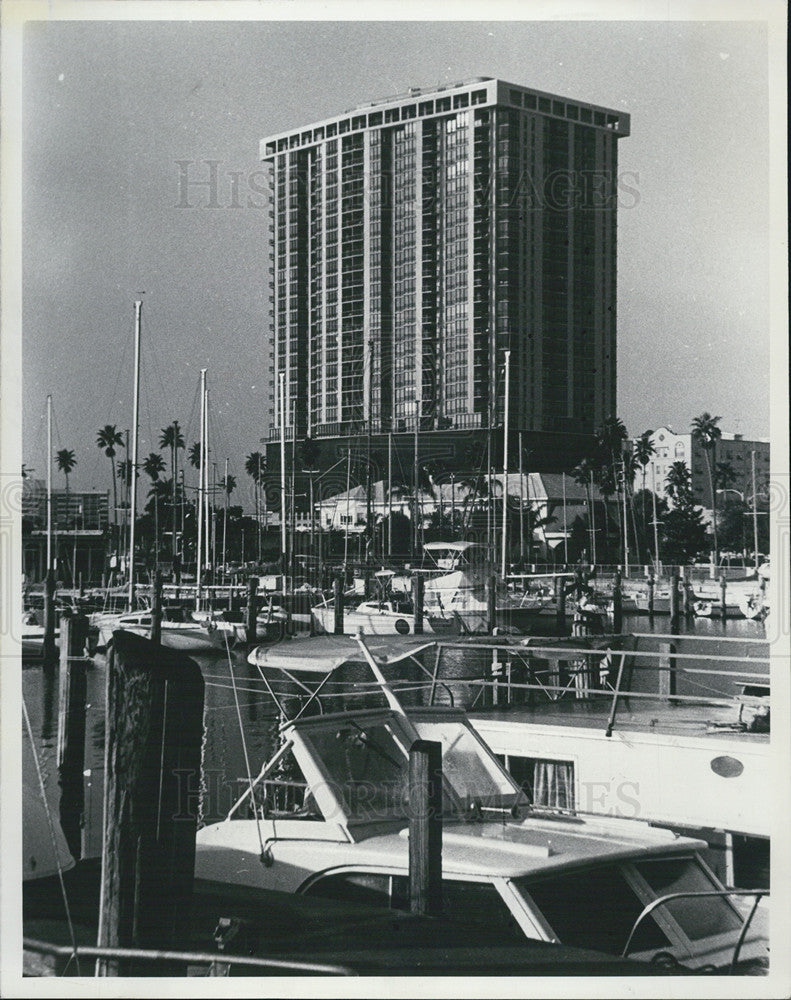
416, 238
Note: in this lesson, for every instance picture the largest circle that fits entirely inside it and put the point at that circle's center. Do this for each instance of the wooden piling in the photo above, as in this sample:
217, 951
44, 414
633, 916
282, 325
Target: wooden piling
617, 605
337, 593
491, 603
418, 584
667, 669
667, 661
675, 593
154, 725
425, 827
723, 596
651, 594
156, 609
251, 633
73, 685
50, 653
560, 605
687, 593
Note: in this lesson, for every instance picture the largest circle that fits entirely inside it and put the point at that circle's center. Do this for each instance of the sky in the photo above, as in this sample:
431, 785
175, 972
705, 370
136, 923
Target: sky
115, 115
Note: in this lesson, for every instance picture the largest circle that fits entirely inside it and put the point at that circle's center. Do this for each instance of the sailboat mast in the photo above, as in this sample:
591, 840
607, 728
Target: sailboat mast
206, 494
133, 468
284, 551
199, 510
390, 494
49, 483
503, 559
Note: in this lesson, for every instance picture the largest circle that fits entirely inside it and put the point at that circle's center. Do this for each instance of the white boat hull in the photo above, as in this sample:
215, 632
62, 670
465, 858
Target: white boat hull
384, 623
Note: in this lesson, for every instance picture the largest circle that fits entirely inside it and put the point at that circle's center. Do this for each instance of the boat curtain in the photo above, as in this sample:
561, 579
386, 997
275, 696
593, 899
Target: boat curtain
553, 784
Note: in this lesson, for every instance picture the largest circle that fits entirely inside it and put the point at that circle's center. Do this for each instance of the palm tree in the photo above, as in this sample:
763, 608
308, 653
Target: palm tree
254, 466
678, 484
643, 451
609, 453
582, 474
228, 484
152, 466
171, 437
66, 462
194, 455
108, 439
706, 432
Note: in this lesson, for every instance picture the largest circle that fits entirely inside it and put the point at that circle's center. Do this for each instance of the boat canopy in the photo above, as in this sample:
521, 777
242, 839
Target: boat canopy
323, 653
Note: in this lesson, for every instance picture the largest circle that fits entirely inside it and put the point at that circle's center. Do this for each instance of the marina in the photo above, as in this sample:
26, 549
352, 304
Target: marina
399, 580
251, 692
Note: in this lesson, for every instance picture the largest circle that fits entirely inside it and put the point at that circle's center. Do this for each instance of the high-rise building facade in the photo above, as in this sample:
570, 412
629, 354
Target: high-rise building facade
417, 238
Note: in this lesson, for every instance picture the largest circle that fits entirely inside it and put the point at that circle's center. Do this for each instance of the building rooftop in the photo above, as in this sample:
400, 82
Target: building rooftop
443, 99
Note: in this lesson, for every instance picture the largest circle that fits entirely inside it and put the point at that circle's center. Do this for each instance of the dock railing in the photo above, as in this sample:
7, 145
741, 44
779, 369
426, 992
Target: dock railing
215, 964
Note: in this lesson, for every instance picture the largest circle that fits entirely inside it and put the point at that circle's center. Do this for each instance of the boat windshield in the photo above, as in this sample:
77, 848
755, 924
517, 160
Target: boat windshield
473, 773
596, 907
366, 766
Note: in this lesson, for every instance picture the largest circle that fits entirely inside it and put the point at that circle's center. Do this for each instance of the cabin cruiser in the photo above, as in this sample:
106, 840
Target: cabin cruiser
393, 615
339, 827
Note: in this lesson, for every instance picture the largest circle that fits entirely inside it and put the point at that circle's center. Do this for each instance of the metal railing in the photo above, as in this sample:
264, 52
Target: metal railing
721, 893
217, 963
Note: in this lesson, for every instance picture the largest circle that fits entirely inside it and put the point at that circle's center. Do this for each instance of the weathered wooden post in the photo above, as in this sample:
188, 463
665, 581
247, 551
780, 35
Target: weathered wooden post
418, 584
425, 827
723, 596
651, 593
617, 604
491, 603
667, 661
675, 593
560, 605
156, 609
72, 684
154, 725
337, 600
686, 592
49, 651
250, 613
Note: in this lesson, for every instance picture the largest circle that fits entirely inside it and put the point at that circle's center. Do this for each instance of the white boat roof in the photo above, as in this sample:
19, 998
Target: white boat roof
505, 849
452, 546
322, 653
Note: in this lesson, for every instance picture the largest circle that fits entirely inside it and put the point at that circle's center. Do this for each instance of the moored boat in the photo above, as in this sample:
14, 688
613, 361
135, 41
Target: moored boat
338, 827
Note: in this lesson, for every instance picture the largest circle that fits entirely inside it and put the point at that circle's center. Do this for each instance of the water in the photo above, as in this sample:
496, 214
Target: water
235, 689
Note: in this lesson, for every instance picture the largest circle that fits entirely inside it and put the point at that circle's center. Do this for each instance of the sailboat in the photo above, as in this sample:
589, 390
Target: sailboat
189, 636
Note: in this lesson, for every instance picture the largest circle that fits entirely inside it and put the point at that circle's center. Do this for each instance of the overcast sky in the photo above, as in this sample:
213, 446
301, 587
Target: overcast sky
110, 108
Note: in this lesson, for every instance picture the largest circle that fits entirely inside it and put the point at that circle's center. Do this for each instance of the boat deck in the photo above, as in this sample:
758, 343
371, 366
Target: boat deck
667, 718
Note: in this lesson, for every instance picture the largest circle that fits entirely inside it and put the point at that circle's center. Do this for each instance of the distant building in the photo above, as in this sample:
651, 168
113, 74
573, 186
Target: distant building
415, 239
554, 496
79, 528
732, 449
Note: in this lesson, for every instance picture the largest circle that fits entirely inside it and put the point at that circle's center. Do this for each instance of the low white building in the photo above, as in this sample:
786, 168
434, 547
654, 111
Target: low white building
733, 449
